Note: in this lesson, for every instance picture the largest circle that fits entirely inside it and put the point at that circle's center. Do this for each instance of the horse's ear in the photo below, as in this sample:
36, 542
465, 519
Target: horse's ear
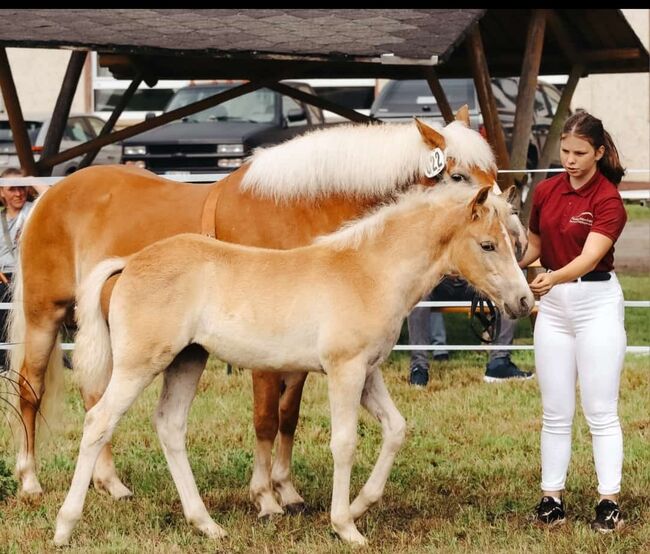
476, 205
511, 194
430, 136
462, 115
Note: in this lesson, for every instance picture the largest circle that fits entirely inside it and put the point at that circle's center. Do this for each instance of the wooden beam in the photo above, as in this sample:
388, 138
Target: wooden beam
151, 123
524, 110
115, 115
552, 143
488, 104
61, 112
563, 37
321, 103
15, 113
441, 98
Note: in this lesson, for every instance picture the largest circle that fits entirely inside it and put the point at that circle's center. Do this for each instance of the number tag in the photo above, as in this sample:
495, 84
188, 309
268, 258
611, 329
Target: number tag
435, 163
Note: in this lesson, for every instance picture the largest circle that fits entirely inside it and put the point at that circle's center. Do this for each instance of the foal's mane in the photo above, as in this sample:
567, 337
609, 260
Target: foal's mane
356, 160
442, 198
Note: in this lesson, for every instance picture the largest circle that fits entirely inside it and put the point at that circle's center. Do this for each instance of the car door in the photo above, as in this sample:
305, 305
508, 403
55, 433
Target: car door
109, 154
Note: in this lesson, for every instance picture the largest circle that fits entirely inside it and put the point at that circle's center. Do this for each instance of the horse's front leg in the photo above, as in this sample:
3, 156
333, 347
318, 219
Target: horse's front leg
345, 384
377, 401
281, 471
170, 419
266, 399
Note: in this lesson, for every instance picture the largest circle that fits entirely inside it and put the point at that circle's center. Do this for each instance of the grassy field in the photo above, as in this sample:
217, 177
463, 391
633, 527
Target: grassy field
636, 212
466, 480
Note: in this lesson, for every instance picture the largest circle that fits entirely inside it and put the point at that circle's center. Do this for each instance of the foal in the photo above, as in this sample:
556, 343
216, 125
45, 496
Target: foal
343, 300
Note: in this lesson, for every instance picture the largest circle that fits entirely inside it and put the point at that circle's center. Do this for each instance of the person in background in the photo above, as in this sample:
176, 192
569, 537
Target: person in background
425, 326
579, 334
13, 214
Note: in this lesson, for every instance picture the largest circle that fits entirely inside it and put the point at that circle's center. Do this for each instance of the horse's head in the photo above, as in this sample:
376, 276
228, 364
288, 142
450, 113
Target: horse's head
457, 154
481, 250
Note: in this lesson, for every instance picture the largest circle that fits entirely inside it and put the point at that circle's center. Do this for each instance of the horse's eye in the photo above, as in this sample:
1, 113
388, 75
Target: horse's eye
488, 246
457, 177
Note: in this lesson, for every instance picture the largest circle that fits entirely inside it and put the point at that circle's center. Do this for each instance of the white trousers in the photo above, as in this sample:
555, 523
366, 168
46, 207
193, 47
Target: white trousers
579, 333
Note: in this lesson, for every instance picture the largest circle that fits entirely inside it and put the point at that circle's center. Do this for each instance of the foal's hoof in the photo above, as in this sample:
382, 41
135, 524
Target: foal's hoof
296, 508
269, 516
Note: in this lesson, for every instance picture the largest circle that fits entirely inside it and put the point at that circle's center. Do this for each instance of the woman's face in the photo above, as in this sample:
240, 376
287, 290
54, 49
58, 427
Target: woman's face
14, 197
578, 156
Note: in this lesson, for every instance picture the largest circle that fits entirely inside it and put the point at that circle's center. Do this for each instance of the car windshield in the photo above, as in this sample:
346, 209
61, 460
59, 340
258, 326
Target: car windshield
32, 130
255, 107
404, 96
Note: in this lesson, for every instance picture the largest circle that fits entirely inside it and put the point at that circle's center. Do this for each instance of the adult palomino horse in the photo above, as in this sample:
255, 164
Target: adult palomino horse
284, 197
335, 307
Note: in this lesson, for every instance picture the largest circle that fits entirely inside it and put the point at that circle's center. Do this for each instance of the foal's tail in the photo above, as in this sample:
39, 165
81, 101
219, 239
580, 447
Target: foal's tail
92, 357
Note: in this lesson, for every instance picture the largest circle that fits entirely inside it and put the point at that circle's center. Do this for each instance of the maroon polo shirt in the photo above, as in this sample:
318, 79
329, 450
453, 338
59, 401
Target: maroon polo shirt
563, 217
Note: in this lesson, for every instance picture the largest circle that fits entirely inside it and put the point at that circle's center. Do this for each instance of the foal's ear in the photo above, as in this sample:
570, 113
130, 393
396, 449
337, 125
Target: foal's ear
462, 115
430, 136
476, 205
511, 194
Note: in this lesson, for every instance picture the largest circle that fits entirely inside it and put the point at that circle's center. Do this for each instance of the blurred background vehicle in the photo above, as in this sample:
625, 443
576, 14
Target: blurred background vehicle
80, 128
220, 138
402, 100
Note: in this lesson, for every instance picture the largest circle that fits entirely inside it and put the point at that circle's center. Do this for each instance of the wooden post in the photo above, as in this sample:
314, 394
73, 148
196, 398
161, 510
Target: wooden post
526, 93
441, 98
16, 121
61, 112
108, 126
552, 143
488, 104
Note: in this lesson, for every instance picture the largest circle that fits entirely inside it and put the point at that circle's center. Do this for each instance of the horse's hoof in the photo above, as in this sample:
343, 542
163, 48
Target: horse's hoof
267, 517
296, 508
31, 493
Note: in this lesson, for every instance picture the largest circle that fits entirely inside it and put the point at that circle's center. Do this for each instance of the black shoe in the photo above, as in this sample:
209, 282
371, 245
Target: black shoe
550, 512
419, 376
502, 369
608, 517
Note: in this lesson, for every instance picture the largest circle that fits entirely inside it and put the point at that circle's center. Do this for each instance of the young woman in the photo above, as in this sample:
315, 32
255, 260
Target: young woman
579, 334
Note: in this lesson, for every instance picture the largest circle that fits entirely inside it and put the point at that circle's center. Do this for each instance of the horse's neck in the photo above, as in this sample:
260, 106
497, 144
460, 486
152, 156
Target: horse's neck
419, 243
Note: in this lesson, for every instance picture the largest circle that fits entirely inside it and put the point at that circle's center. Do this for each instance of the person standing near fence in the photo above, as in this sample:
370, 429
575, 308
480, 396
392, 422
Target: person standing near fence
575, 220
13, 214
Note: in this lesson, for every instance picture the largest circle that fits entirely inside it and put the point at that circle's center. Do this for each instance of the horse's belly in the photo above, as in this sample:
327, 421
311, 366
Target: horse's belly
291, 352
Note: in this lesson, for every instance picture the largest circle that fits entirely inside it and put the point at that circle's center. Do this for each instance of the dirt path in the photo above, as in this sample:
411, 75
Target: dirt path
632, 253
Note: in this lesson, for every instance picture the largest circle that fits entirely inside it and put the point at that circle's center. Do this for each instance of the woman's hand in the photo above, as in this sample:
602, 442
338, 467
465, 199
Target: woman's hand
543, 283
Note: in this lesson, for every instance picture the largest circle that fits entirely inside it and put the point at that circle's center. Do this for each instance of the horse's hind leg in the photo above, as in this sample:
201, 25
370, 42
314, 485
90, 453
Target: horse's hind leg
377, 401
170, 419
40, 338
266, 395
281, 471
98, 427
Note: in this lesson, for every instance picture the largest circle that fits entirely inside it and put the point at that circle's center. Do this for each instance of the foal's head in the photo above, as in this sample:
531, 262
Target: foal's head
466, 155
483, 251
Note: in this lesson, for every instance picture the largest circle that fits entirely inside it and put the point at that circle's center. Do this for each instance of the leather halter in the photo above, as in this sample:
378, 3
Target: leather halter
208, 217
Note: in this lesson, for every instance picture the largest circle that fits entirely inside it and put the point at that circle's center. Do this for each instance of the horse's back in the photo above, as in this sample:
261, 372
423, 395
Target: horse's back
100, 212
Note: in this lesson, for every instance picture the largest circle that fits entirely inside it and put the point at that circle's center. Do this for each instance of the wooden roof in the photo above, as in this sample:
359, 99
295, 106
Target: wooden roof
282, 43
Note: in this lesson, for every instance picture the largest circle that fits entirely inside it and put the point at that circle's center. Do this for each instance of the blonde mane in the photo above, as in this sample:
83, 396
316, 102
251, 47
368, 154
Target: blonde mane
351, 235
356, 160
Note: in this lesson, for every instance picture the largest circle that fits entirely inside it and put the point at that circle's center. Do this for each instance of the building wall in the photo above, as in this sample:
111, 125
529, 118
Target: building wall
38, 74
622, 101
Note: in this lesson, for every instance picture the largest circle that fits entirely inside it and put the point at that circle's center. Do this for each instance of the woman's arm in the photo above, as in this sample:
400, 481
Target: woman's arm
595, 248
533, 251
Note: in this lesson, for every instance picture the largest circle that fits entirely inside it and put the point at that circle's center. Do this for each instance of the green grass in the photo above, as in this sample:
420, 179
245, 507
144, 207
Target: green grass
636, 212
466, 480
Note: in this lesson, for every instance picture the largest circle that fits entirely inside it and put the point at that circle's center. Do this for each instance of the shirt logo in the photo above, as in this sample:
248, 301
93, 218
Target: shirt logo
585, 218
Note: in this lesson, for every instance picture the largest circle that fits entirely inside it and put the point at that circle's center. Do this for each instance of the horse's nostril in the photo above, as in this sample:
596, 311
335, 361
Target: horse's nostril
523, 303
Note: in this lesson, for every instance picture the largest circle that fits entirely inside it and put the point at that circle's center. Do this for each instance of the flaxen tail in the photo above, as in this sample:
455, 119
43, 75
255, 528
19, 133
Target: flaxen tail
93, 358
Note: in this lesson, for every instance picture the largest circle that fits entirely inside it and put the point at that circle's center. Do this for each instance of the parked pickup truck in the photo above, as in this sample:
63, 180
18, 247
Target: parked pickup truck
220, 138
